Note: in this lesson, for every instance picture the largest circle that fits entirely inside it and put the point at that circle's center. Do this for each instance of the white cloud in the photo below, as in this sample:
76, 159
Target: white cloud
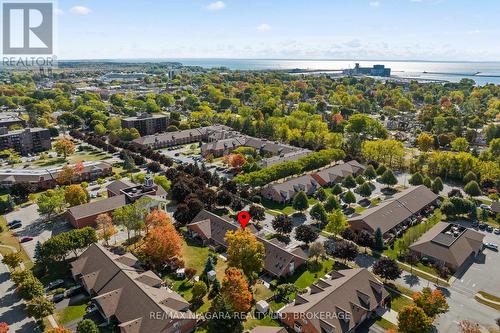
59, 12
80, 10
374, 3
264, 27
217, 5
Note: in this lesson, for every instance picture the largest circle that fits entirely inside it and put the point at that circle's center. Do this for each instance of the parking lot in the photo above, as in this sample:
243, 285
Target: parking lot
482, 274
34, 226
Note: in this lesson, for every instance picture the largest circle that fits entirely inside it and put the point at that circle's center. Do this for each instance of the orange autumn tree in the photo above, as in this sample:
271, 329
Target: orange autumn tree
432, 302
245, 252
162, 243
66, 175
157, 218
237, 160
235, 290
64, 146
4, 327
105, 227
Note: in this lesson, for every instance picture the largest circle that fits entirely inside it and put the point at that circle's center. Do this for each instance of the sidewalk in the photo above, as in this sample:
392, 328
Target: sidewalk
388, 314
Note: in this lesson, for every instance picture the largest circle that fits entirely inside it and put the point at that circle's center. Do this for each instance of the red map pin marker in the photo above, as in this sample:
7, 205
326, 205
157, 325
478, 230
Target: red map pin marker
243, 217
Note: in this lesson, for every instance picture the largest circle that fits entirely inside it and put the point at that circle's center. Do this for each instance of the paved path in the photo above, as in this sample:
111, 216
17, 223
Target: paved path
12, 307
388, 314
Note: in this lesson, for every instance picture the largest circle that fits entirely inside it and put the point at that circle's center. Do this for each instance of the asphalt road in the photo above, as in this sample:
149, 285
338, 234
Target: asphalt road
12, 307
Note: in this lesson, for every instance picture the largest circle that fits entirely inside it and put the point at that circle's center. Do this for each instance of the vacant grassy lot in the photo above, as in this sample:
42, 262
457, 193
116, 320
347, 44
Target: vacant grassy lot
71, 312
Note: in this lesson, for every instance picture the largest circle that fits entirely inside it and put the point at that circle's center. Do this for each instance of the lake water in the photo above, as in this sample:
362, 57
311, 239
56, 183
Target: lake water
481, 72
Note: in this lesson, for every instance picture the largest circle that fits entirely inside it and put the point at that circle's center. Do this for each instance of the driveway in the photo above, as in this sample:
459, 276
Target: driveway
34, 226
12, 307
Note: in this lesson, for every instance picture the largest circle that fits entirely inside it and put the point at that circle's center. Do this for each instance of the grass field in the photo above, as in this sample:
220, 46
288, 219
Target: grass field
282, 208
71, 313
261, 292
253, 322
7, 239
305, 277
79, 156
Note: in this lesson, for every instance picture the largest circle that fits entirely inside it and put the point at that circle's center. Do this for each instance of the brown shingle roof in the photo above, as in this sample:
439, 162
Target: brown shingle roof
455, 252
97, 207
125, 293
394, 211
354, 292
214, 228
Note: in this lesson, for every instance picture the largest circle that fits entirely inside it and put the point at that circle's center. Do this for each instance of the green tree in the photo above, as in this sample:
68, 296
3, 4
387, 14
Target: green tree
320, 194
469, 176
349, 198
199, 291
337, 189
40, 307
370, 172
12, 260
332, 203
381, 169
30, 287
86, 326
227, 323
349, 182
51, 202
283, 224
379, 240
437, 185
460, 144
416, 179
337, 222
365, 190
300, 201
318, 212
427, 182
130, 216
388, 178
472, 188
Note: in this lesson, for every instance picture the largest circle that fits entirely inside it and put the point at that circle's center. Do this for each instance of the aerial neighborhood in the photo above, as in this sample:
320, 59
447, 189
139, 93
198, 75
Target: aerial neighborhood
373, 202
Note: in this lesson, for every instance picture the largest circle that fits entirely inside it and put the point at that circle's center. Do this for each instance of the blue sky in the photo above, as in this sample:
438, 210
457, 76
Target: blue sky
297, 29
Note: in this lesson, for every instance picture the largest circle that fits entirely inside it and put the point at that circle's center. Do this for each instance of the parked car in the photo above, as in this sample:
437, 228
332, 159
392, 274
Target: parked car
482, 226
176, 154
15, 226
55, 284
57, 298
489, 228
13, 222
91, 308
491, 246
74, 290
26, 239
496, 231
484, 206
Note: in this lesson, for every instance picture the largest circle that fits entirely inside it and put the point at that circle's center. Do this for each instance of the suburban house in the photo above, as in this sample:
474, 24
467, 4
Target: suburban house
120, 193
278, 261
128, 295
335, 174
286, 191
339, 302
393, 215
448, 244
44, 179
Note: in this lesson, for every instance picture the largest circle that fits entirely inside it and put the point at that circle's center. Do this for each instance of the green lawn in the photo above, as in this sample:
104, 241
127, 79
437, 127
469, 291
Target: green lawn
261, 292
282, 208
79, 156
411, 234
71, 313
489, 296
194, 255
385, 324
275, 306
305, 277
6, 238
399, 301
253, 322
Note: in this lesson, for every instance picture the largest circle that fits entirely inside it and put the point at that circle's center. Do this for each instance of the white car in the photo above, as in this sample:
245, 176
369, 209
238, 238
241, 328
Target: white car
491, 246
496, 231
